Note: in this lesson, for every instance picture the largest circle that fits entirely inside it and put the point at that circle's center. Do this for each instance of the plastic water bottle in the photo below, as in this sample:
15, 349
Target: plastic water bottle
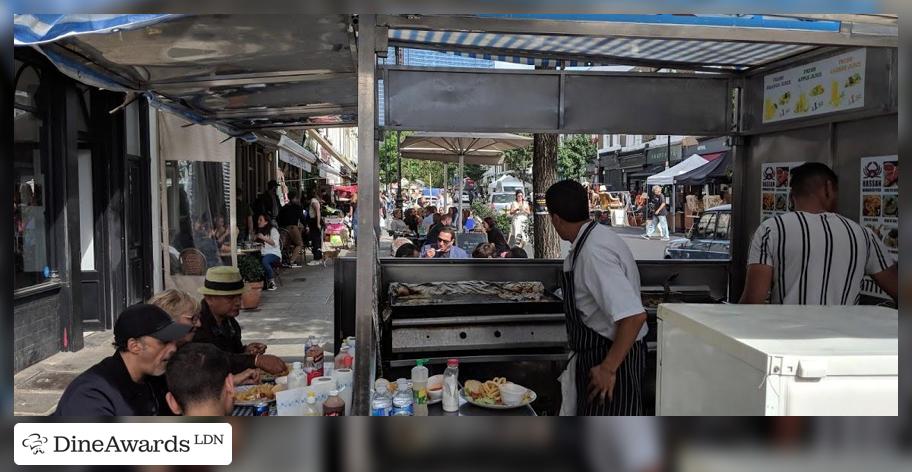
328, 364
381, 402
311, 408
451, 386
402, 401
419, 387
297, 378
350, 342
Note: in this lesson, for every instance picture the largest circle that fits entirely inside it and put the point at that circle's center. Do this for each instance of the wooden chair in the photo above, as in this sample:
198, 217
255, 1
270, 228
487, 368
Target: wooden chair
193, 262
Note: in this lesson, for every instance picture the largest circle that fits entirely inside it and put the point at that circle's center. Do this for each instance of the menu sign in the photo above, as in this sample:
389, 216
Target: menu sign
824, 86
775, 180
880, 207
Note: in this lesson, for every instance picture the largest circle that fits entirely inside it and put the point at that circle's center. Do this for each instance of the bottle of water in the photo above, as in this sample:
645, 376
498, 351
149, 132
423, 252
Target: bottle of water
328, 364
381, 402
451, 386
402, 401
311, 408
297, 378
419, 387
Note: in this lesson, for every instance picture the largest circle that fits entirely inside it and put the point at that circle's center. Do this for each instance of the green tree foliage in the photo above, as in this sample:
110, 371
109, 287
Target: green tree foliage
574, 154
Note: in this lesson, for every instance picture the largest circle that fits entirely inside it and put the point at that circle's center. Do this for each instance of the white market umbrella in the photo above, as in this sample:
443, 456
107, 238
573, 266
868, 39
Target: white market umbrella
472, 148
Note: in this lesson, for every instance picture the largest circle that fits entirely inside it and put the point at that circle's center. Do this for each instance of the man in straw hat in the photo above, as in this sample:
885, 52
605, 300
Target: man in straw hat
221, 305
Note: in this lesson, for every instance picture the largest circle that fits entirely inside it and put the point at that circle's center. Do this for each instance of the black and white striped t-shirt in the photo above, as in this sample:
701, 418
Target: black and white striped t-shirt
817, 258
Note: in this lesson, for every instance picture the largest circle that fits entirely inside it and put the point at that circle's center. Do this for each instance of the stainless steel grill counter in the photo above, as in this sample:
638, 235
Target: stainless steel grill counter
501, 318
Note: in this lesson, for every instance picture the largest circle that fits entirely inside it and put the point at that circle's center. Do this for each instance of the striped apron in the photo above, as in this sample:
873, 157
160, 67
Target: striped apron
590, 350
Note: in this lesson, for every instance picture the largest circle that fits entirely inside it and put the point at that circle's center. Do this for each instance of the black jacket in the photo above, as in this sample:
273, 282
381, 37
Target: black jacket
226, 337
106, 389
290, 215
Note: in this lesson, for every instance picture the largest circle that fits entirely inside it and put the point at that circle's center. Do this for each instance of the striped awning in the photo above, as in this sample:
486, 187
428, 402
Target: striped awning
502, 37
542, 50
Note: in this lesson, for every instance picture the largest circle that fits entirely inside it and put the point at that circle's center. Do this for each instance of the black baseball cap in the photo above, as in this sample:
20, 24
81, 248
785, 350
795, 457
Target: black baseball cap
147, 320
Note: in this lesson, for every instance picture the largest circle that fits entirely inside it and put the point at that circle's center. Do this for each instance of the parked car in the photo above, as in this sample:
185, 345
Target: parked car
709, 238
500, 201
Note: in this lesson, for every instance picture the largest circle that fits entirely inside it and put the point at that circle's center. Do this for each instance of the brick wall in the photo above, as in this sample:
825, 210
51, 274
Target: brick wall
36, 329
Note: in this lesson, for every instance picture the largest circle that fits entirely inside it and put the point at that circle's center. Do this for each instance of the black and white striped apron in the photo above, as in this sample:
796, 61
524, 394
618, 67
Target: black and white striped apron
591, 349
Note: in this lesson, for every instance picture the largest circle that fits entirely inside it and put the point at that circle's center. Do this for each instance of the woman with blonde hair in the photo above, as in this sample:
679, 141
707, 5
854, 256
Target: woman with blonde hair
183, 309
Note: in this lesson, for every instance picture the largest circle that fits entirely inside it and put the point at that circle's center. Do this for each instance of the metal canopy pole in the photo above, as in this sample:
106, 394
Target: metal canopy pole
459, 196
398, 182
367, 264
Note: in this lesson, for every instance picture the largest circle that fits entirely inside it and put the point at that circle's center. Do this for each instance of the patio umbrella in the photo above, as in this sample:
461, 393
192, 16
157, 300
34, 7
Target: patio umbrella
462, 148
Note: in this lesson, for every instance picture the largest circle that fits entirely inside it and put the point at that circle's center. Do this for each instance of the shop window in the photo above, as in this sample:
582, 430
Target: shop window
30, 178
705, 228
198, 223
722, 227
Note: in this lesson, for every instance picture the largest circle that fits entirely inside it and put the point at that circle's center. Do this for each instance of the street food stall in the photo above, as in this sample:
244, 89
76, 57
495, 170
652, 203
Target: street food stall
733, 96
787, 89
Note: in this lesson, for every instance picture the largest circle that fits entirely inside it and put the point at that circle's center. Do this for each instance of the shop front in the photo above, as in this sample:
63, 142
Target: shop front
81, 220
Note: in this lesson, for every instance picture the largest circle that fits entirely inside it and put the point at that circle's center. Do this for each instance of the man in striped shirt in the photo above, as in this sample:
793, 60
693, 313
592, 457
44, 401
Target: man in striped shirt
814, 256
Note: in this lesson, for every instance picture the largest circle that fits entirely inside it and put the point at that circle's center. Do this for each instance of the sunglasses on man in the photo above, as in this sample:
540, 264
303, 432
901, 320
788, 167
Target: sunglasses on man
447, 241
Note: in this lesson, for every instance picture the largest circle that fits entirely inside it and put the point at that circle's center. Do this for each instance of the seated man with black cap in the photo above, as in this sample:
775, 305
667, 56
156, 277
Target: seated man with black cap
221, 304
131, 382
199, 383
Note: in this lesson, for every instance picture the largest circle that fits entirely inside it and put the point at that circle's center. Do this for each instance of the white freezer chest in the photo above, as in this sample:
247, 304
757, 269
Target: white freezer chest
777, 360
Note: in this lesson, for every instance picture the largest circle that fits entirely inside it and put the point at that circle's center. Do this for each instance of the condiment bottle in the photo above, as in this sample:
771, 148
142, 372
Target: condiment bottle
334, 405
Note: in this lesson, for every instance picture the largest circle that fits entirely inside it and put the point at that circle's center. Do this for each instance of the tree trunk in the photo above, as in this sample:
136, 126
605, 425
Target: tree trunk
544, 174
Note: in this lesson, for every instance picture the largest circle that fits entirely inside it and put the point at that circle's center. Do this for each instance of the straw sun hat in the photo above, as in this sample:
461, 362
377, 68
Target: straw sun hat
224, 281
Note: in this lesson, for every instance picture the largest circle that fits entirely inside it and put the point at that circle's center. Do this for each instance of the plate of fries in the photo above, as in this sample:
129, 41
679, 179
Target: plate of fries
487, 394
250, 395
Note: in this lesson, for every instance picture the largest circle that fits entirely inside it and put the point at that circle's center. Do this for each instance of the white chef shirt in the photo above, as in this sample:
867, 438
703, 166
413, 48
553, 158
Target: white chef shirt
606, 281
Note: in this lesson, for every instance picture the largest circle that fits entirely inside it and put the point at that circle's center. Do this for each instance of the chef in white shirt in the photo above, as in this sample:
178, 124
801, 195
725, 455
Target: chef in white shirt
606, 322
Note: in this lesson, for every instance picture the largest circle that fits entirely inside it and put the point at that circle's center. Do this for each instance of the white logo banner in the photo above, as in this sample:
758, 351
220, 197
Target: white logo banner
122, 444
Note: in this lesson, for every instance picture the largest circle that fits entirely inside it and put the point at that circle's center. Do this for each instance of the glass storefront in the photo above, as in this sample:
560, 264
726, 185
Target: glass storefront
30, 161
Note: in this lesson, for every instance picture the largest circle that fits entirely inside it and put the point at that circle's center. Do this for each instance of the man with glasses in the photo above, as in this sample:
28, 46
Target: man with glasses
185, 310
221, 305
446, 246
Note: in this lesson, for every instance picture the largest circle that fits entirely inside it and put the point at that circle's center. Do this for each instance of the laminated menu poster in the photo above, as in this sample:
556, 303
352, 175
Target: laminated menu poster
880, 207
775, 180
833, 84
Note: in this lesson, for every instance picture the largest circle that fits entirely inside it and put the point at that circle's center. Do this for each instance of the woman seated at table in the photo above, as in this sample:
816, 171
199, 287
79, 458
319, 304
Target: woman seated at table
411, 220
495, 236
396, 225
271, 252
468, 219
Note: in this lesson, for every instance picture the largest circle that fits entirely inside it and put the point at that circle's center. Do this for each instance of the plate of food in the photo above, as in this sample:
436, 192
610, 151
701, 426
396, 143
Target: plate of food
250, 395
267, 377
871, 205
890, 206
781, 202
769, 201
497, 394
